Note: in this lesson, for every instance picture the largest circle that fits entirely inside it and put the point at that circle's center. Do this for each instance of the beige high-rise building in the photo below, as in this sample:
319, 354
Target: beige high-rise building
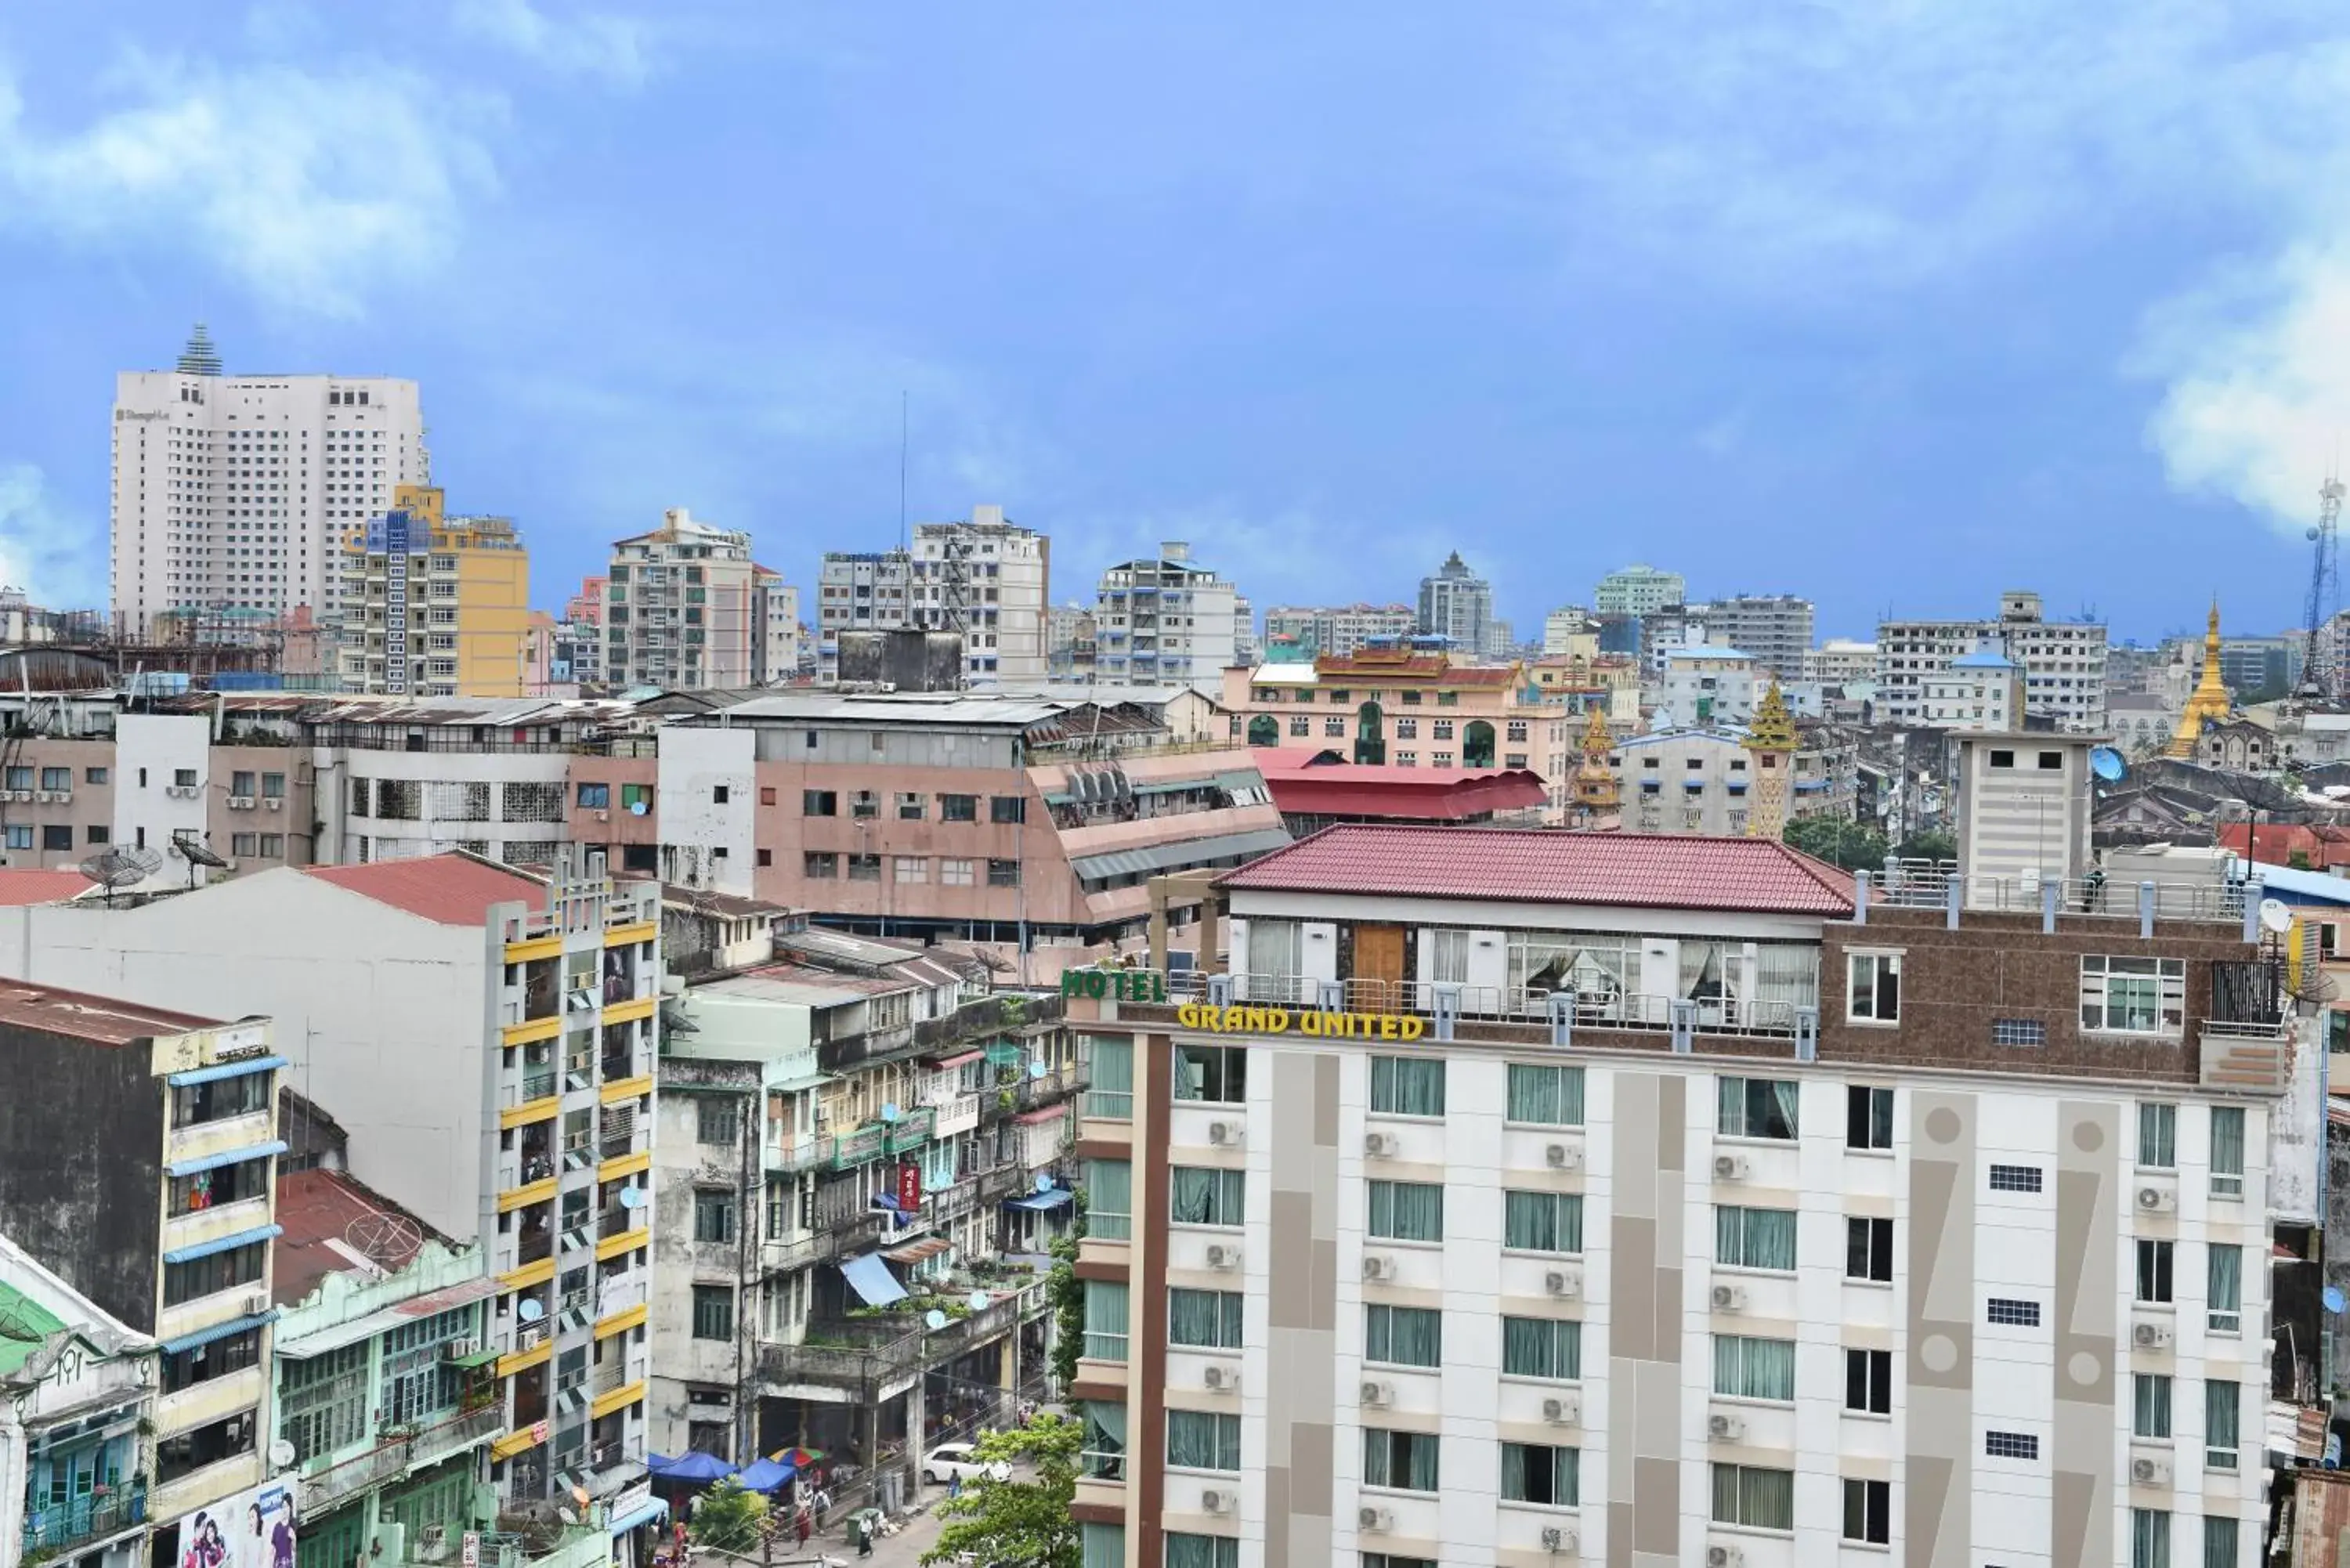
986, 579
680, 609
232, 493
433, 606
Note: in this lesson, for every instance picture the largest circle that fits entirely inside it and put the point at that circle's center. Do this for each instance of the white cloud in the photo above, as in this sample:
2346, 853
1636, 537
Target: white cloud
308, 188
43, 551
588, 44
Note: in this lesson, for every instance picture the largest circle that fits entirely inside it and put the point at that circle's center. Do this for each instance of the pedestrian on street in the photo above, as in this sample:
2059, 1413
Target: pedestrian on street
800, 1524
864, 1538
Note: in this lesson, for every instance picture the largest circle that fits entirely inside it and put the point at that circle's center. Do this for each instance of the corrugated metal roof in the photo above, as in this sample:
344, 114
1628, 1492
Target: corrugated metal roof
1530, 866
1188, 852
450, 889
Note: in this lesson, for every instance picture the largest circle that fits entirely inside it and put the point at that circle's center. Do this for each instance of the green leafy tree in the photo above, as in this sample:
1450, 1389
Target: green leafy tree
730, 1519
1839, 841
1068, 1295
1024, 1521
1933, 844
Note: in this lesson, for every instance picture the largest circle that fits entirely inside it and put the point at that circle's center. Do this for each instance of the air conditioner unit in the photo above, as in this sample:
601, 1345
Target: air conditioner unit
1729, 1298
1563, 1411
527, 1337
1730, 1168
458, 1348
1215, 1499
1724, 1429
256, 1304
2149, 1471
1377, 1395
2156, 1201
235, 802
1724, 1557
1379, 1146
1374, 1519
1564, 1157
1554, 1538
1223, 1257
1562, 1282
2150, 1337
1379, 1267
272, 803
45, 797
1222, 1379
1226, 1134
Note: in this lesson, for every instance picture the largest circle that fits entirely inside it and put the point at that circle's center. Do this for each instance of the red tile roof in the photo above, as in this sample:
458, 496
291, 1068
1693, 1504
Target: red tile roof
453, 890
1530, 865
19, 887
1303, 786
1374, 666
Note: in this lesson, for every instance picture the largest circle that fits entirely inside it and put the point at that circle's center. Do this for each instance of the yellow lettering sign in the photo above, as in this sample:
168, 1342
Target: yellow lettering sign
1237, 1020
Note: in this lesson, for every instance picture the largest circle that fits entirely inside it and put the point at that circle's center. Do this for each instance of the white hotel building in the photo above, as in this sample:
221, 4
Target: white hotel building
1717, 1217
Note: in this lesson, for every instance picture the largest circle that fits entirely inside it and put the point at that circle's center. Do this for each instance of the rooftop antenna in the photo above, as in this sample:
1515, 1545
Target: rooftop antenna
385, 1240
905, 540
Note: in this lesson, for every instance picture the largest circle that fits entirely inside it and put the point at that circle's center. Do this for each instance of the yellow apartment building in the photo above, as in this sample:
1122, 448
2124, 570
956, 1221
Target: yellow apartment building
434, 606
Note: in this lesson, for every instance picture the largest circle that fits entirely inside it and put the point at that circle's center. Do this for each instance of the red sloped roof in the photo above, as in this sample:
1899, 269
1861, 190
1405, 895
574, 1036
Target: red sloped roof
453, 890
27, 886
1533, 865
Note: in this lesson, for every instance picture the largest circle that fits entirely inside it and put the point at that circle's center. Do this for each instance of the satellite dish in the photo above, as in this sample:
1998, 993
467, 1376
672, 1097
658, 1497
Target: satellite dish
979, 1300
632, 1198
386, 1241
935, 1319
530, 1311
2107, 763
635, 808
890, 1112
2333, 1299
2275, 917
1036, 1069
1043, 1181
123, 866
281, 1454
17, 1323
570, 1518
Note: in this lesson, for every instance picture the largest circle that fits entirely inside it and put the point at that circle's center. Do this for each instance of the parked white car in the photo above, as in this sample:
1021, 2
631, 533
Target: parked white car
950, 1461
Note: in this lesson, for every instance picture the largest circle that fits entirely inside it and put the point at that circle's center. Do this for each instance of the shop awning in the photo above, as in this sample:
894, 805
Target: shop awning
915, 1251
957, 1060
414, 1310
225, 1070
870, 1278
224, 1244
1041, 1201
233, 1157
644, 1512
204, 1336
1189, 851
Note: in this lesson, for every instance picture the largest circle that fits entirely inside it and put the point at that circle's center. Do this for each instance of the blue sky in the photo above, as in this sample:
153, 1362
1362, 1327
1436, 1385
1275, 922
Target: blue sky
1891, 302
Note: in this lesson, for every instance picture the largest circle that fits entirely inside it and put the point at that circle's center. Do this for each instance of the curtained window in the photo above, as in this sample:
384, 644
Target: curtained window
2219, 1549
2222, 1408
1276, 949
2225, 1289
1754, 1497
1754, 1238
1198, 1196
1533, 1472
1104, 1457
1756, 1107
2158, 1137
1201, 1551
1106, 1321
2149, 1538
1407, 1087
1216, 1073
1754, 1368
1543, 1347
1208, 1319
1204, 1441
1542, 1221
1109, 1092
1405, 1211
1101, 1546
1405, 1461
2150, 1406
1110, 1199
1591, 966
1546, 1096
2227, 1151
1403, 1337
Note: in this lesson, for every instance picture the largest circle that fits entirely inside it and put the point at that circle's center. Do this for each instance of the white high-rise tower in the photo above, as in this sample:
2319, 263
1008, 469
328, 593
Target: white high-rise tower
231, 493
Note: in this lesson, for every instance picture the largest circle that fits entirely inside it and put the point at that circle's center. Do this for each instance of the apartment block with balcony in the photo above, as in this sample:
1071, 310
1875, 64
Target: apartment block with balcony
80, 1385
1521, 1199
682, 609
431, 605
862, 1162
1163, 621
137, 1146
485, 1039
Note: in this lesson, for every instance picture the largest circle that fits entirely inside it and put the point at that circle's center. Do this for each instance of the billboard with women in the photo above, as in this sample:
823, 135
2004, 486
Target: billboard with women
252, 1529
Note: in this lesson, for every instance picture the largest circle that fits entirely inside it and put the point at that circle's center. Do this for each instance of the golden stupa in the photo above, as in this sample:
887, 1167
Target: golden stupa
2210, 701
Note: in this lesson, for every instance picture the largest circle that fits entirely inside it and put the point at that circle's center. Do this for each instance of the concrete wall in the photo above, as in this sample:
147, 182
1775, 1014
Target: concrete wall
706, 842
81, 1143
151, 752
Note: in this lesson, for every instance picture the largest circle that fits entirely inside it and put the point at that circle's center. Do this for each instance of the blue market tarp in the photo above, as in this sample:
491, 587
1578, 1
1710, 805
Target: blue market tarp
696, 1467
765, 1475
870, 1278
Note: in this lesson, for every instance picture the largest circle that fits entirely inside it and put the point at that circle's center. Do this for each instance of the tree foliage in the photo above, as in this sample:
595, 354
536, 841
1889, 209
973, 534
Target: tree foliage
1839, 841
729, 1518
1024, 1521
1068, 1295
1932, 844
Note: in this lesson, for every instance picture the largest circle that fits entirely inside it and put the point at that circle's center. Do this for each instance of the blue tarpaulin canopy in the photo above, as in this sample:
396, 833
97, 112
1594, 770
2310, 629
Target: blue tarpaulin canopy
1041, 1201
765, 1475
695, 1467
870, 1278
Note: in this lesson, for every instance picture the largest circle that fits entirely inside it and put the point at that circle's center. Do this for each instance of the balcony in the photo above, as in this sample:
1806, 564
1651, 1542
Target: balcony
398, 1452
63, 1526
859, 1147
535, 1246
535, 1083
804, 1153
621, 1293
618, 1143
912, 1131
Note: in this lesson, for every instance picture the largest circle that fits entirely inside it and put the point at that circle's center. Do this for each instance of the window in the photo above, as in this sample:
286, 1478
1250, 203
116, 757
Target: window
1201, 1551
910, 867
2150, 1406
1754, 1368
1382, 1560
98, 833
1007, 808
1101, 1546
184, 1453
1868, 1381
716, 1119
2227, 1151
20, 836
95, 776
1105, 1320
186, 1368
1209, 1319
1868, 1117
822, 865
1448, 961
2149, 1538
2220, 1548
1533, 1472
1407, 1087
1204, 1441
767, 794
1402, 1461
1111, 1086
2223, 1288
1867, 1248
2133, 995
2018, 1031
1868, 1511
221, 1184
958, 809
2051, 761
864, 804
56, 779
1110, 1199
1197, 1196
1546, 1096
215, 1272
1756, 1107
2223, 1408
955, 873
1406, 1212
2158, 1137
713, 1312
1754, 1238
1403, 1337
1753, 1497
193, 1104
1544, 1348
61, 837
713, 1217
819, 803
243, 845
1003, 873
322, 1401
2011, 1314
1874, 995
1217, 1074
1542, 1221
2154, 1269
2011, 1446
865, 867
2015, 1179
2002, 759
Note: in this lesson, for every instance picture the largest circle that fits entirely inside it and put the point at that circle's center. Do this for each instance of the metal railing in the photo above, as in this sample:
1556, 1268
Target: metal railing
325, 1489
60, 1527
1916, 885
1706, 1014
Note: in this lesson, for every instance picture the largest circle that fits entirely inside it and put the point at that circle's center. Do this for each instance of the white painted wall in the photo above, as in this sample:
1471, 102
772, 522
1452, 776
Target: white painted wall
694, 765
151, 752
390, 839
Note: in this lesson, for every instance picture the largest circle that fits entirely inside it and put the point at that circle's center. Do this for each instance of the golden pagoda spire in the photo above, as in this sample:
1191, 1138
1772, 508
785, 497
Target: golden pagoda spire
2211, 701
1773, 728
1770, 741
1596, 740
1595, 792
